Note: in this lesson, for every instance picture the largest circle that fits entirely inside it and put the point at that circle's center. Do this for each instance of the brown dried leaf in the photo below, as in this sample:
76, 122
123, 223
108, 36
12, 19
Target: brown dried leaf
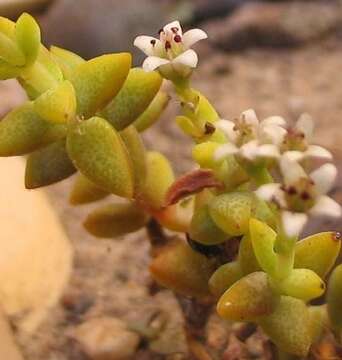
189, 184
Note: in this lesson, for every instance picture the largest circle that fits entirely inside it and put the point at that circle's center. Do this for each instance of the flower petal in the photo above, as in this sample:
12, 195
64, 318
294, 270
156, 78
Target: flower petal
268, 151
224, 151
187, 58
291, 170
144, 44
293, 223
154, 62
192, 36
272, 133
173, 24
305, 125
324, 178
268, 191
294, 155
318, 152
250, 150
249, 116
227, 127
273, 120
326, 206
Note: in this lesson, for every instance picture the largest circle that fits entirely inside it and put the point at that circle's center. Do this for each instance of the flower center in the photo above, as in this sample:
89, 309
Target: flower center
245, 131
172, 42
301, 195
294, 140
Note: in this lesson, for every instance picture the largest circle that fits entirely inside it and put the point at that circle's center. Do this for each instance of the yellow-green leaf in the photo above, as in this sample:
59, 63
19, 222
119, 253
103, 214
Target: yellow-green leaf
57, 105
85, 191
183, 270
67, 60
159, 178
224, 277
153, 112
115, 220
27, 34
318, 252
23, 131
334, 298
134, 97
98, 152
247, 258
289, 327
48, 166
204, 230
249, 298
98, 80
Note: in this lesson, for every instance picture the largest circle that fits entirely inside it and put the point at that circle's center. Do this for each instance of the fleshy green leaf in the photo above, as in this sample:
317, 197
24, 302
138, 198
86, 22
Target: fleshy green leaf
302, 284
85, 191
57, 105
115, 220
98, 152
9, 49
204, 230
67, 60
289, 327
159, 178
334, 298
23, 131
137, 154
247, 259
248, 299
43, 75
98, 80
224, 277
153, 112
133, 99
27, 34
318, 252
48, 166
182, 270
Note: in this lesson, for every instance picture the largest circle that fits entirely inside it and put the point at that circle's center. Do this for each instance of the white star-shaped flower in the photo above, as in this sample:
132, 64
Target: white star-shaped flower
173, 48
296, 142
301, 194
251, 139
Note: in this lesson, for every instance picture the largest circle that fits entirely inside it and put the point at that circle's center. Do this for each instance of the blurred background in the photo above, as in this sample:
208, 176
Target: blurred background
279, 57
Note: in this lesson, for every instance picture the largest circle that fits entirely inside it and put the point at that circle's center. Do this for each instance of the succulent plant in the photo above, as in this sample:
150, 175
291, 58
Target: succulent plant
254, 188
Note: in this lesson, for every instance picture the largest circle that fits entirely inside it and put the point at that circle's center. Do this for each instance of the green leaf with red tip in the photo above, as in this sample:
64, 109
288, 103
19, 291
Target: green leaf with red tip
153, 112
182, 270
318, 252
57, 105
248, 299
85, 191
159, 178
98, 81
302, 284
23, 131
334, 298
289, 326
98, 152
114, 220
224, 277
67, 60
137, 154
133, 99
27, 33
48, 166
204, 230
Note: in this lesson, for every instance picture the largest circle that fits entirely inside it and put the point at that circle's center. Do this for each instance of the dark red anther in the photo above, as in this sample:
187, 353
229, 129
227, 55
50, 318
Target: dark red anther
153, 42
174, 30
160, 31
305, 195
167, 45
177, 38
292, 190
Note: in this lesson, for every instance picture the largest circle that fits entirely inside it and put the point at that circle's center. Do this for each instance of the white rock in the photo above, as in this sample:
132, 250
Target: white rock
35, 254
106, 339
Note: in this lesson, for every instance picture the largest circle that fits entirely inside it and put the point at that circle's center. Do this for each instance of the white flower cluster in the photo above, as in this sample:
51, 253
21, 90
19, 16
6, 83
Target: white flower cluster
299, 194
172, 51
